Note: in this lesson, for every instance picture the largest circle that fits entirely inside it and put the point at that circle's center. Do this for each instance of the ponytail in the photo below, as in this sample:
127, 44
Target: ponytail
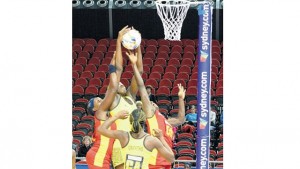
136, 117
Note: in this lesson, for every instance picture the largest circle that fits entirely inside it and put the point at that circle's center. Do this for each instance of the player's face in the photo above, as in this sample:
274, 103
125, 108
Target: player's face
121, 89
139, 106
148, 90
97, 102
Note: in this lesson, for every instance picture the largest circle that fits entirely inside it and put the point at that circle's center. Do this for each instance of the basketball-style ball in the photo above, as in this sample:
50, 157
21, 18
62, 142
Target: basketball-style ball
132, 39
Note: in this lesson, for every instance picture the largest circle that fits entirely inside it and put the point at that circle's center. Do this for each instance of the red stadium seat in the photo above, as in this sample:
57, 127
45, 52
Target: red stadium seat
106, 61
146, 69
189, 49
191, 94
163, 93
95, 82
164, 49
163, 42
215, 62
214, 69
196, 42
82, 61
216, 49
92, 42
127, 75
184, 143
103, 42
214, 77
74, 55
161, 61
216, 56
170, 76
152, 42
188, 55
155, 75
81, 82
183, 75
173, 43
151, 48
78, 68
157, 68
90, 92
187, 62
174, 62
179, 81
148, 61
128, 68
103, 68
100, 75
185, 69
192, 82
151, 82
91, 67
194, 75
215, 42
84, 54
95, 61
176, 48
101, 48
89, 48
145, 76
87, 75
174, 93
150, 55
79, 42
175, 55
105, 82
75, 75
143, 42
102, 91
99, 55
125, 82
77, 92
77, 48
187, 42
172, 69
109, 54
165, 83
162, 55
221, 76
81, 102
219, 91
111, 48
219, 83
112, 42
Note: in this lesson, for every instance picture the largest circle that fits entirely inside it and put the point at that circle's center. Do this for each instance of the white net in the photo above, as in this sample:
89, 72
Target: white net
172, 14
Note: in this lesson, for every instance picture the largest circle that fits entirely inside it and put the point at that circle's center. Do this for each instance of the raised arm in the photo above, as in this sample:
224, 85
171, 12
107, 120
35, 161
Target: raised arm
162, 146
181, 112
122, 136
110, 92
133, 88
119, 57
147, 106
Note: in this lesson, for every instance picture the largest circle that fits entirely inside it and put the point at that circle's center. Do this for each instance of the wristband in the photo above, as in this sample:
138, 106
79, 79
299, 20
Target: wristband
112, 69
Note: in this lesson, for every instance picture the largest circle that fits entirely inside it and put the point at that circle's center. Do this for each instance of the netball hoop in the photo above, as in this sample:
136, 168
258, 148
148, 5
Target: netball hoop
172, 14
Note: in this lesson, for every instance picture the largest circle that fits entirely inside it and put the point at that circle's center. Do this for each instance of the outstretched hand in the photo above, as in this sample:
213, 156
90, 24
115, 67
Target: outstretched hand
122, 32
181, 92
132, 57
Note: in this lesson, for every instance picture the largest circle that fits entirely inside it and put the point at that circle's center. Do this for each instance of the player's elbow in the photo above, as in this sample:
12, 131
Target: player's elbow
171, 158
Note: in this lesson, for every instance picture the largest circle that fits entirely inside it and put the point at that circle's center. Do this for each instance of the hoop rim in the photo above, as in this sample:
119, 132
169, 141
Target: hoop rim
186, 2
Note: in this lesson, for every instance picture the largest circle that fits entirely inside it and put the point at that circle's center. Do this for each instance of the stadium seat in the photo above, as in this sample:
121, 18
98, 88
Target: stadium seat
99, 55
221, 76
191, 94
214, 77
163, 48
213, 154
106, 61
162, 55
103, 68
150, 55
174, 93
188, 55
90, 92
78, 68
81, 82
78, 111
160, 61
155, 75
78, 133
111, 48
157, 68
216, 56
165, 83
214, 69
185, 69
151, 48
177, 49
96, 82
192, 82
163, 111
87, 75
187, 42
219, 84
184, 143
77, 140
219, 91
175, 55
84, 127
187, 62
79, 42
84, 54
128, 68
77, 48
103, 42
216, 49
146, 69
189, 49
163, 93
74, 55
172, 69
174, 62
95, 61
81, 102
127, 75
102, 91
185, 135
89, 48
92, 42
75, 75
215, 62
174, 113
151, 82
152, 42
148, 61
145, 76
185, 158
183, 75
170, 76
179, 81
100, 75
82, 61
178, 43
194, 75
109, 54
163, 42
143, 42
91, 67
105, 82
125, 82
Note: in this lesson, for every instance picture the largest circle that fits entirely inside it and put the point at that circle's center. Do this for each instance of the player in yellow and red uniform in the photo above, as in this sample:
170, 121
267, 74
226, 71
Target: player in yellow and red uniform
155, 120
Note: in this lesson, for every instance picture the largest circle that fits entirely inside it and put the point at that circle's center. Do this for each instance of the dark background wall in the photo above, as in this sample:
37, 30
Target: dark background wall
94, 23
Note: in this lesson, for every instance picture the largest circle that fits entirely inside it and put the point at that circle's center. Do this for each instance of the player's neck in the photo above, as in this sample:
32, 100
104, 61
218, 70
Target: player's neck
137, 135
